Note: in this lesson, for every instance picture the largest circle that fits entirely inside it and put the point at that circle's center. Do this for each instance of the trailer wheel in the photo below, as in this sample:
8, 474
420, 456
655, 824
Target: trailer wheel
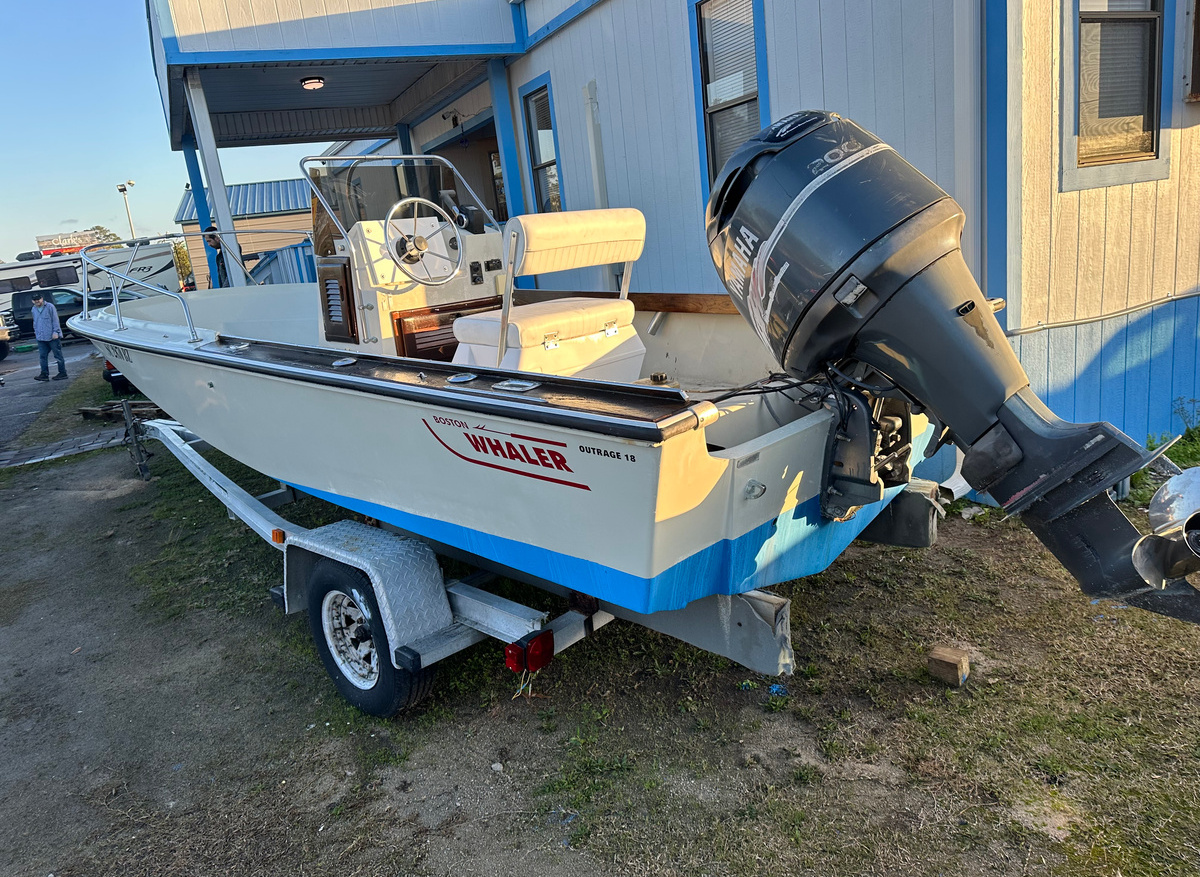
344, 618
4, 349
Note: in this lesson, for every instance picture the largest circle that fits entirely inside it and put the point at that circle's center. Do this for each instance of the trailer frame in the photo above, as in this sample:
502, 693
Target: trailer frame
426, 619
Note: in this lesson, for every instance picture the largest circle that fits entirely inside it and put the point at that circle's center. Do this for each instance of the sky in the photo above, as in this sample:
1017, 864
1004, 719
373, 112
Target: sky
80, 112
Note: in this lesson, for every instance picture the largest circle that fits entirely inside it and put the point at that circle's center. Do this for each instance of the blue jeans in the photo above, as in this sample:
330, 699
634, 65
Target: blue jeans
44, 350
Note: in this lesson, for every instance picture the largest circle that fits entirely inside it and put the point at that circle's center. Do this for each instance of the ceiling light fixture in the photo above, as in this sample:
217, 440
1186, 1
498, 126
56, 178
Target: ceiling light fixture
312, 83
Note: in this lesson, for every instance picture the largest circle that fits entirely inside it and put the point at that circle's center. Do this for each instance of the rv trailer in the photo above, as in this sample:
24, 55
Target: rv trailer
154, 264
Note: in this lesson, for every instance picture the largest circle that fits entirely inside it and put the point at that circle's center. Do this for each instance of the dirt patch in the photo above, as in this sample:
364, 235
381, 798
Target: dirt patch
159, 717
14, 597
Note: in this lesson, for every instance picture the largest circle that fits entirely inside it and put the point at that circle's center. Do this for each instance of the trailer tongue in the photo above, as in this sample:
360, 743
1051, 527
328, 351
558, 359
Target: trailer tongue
846, 260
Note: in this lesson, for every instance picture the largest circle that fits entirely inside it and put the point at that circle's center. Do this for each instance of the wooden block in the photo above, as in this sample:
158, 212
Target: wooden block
949, 664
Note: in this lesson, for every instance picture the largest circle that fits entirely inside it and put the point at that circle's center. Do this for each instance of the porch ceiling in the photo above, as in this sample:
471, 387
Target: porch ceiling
261, 88
262, 103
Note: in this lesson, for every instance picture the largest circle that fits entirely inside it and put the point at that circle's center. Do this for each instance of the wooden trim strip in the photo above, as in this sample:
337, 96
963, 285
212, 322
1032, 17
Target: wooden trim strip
660, 302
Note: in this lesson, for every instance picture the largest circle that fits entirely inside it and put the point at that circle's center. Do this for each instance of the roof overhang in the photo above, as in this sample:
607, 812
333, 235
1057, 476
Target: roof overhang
260, 103
385, 63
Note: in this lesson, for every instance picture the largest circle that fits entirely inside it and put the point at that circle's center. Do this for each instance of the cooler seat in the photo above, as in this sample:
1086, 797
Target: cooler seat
570, 336
581, 337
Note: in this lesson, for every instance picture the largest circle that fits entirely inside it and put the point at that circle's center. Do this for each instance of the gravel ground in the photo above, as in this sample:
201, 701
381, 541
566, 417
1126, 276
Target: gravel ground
22, 398
142, 743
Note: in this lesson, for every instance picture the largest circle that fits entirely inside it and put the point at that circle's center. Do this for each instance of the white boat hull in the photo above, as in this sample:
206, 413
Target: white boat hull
648, 525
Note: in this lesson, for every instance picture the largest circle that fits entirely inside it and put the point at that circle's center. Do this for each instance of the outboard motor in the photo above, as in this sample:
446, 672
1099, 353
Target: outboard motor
843, 256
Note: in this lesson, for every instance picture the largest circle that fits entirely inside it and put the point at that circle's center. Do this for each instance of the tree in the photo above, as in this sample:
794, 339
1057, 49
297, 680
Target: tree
183, 260
103, 234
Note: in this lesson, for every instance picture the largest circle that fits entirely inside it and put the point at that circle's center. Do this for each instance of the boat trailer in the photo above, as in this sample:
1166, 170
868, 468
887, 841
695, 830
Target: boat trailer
424, 619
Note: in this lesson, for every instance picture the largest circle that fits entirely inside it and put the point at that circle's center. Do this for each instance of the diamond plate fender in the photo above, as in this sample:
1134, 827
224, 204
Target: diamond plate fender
404, 573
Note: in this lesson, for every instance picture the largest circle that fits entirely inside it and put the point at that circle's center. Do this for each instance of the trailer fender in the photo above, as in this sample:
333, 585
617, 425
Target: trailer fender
404, 574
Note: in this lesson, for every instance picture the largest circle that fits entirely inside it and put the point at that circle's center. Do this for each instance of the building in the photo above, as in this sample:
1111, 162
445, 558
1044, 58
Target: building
1065, 128
279, 205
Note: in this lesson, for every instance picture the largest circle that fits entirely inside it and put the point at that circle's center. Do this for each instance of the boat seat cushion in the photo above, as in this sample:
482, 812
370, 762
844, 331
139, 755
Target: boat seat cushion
528, 325
548, 242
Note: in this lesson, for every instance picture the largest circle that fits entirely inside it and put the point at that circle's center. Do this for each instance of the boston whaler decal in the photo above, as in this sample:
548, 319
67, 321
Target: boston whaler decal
533, 457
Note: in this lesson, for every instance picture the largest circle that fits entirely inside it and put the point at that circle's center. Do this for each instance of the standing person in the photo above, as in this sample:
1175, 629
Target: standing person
214, 240
48, 332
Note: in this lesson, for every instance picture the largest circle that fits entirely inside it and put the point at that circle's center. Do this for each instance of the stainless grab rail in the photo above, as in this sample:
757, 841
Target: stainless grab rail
350, 162
137, 244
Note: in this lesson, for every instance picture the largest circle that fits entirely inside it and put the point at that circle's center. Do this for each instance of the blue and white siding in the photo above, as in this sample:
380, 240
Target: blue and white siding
639, 55
354, 28
1092, 255
827, 55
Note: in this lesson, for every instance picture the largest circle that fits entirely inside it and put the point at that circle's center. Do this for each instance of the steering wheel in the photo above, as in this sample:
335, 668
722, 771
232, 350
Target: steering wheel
412, 250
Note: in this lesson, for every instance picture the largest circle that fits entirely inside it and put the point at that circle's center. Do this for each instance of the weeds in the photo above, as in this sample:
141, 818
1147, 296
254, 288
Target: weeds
644, 740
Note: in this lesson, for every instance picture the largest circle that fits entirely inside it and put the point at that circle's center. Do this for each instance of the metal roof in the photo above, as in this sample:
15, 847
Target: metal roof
255, 199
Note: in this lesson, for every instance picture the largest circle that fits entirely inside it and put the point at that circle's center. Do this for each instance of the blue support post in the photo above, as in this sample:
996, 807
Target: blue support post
506, 137
404, 138
200, 199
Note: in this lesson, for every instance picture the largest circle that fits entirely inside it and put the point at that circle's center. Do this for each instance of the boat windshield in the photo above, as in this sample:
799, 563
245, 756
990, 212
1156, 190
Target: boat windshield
358, 188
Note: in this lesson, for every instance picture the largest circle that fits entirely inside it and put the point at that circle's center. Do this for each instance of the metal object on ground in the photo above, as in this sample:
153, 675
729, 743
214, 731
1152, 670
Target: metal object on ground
1172, 550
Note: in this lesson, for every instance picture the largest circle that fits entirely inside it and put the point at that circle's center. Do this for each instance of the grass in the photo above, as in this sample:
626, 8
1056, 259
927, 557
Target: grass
1074, 748
1073, 743
208, 560
1185, 453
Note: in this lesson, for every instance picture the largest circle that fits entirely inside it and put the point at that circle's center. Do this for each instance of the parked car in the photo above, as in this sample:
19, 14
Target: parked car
101, 298
68, 303
8, 333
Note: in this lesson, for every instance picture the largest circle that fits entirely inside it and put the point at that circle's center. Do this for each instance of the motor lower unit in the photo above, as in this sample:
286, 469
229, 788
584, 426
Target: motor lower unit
844, 258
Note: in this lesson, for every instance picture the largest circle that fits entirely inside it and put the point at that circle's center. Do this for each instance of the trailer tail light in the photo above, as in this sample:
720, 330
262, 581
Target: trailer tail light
532, 652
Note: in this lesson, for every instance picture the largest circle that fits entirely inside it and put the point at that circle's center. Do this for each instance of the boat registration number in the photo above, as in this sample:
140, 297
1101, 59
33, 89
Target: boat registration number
112, 352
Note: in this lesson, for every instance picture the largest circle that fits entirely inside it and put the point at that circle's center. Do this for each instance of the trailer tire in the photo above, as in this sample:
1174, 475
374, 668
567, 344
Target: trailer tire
343, 615
4, 350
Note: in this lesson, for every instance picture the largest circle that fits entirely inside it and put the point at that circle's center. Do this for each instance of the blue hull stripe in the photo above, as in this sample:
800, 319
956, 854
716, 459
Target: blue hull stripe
797, 543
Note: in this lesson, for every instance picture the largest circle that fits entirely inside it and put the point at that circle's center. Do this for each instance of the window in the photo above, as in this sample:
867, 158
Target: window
1120, 59
729, 77
63, 275
543, 157
1116, 80
15, 284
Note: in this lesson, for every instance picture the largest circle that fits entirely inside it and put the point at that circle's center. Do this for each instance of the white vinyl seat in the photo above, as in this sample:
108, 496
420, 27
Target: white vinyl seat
571, 336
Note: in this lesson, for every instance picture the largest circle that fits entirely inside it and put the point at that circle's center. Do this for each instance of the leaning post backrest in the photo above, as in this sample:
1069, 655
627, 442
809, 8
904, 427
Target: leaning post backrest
539, 243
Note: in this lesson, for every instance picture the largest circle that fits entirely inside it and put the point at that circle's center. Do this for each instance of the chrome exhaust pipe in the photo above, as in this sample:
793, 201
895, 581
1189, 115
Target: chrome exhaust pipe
1172, 549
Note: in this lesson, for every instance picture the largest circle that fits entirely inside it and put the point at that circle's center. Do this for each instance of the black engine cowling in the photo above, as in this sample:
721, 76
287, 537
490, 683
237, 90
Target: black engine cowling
837, 251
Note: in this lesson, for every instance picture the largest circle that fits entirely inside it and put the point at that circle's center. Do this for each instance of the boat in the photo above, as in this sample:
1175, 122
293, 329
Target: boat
572, 439
623, 488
